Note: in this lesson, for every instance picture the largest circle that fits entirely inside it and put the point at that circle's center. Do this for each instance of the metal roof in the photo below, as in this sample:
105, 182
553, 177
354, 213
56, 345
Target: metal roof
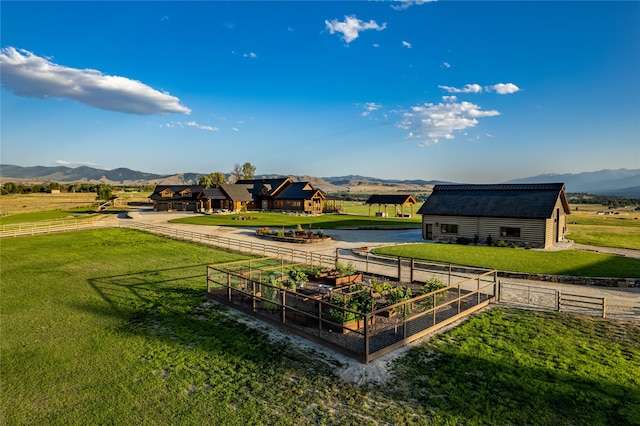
396, 199
527, 201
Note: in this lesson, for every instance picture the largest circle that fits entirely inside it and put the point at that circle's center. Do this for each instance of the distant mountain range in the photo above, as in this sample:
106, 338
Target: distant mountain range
622, 182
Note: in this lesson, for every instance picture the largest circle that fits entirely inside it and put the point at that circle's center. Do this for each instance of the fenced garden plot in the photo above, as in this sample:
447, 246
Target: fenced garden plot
360, 320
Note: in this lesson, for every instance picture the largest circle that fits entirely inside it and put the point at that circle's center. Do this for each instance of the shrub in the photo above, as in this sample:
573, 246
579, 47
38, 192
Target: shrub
489, 240
502, 243
476, 238
463, 240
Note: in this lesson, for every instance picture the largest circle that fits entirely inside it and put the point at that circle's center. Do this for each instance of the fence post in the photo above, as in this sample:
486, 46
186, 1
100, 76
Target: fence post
604, 307
399, 268
559, 303
366, 264
284, 301
413, 265
449, 282
229, 286
366, 338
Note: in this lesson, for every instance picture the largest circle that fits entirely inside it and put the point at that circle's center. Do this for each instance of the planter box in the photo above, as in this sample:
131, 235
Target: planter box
352, 326
337, 281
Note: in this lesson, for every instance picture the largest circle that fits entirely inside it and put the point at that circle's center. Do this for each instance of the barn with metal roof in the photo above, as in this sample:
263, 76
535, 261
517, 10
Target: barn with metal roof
531, 215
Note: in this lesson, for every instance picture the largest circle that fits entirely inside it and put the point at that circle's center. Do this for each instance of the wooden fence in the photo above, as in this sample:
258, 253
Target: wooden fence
562, 301
49, 227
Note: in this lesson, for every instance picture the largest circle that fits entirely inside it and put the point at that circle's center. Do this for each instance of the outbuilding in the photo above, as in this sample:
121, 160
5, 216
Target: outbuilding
531, 215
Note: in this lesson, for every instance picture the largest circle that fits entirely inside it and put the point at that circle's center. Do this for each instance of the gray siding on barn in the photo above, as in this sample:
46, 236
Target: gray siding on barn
531, 230
538, 211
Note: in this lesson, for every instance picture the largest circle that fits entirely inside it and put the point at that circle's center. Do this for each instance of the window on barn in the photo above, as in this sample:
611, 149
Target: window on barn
296, 203
449, 228
278, 203
166, 194
509, 232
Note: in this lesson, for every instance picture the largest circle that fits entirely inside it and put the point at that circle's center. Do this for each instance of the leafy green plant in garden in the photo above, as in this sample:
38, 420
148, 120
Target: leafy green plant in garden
433, 284
400, 294
298, 275
345, 269
358, 299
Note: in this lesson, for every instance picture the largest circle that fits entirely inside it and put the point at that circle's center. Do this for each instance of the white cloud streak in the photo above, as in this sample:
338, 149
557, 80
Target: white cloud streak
75, 163
406, 44
431, 123
249, 55
500, 88
351, 27
468, 88
191, 124
28, 75
403, 4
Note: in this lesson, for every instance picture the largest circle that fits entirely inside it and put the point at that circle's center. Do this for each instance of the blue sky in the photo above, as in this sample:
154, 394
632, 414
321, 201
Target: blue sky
477, 92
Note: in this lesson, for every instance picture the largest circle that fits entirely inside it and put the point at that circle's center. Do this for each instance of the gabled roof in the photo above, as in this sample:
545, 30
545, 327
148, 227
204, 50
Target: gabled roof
237, 191
396, 199
176, 190
212, 194
525, 201
270, 186
299, 191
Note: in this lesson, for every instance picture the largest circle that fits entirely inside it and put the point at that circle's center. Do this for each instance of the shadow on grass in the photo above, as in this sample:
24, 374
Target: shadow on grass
170, 305
478, 390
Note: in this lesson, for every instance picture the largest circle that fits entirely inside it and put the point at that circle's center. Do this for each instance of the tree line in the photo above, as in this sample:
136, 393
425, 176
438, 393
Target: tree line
239, 172
40, 188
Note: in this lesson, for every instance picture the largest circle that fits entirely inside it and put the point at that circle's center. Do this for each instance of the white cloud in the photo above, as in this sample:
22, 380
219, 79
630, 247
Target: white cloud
370, 107
446, 65
403, 4
351, 27
201, 127
75, 163
433, 122
468, 88
250, 55
28, 75
504, 88
406, 44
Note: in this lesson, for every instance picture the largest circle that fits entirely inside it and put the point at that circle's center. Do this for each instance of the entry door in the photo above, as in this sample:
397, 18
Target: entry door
429, 232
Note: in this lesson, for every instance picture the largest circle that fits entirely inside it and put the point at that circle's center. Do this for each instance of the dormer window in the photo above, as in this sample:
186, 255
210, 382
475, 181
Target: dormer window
166, 193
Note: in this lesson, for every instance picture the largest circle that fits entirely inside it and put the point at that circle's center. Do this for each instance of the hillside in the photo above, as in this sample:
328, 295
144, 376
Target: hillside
621, 182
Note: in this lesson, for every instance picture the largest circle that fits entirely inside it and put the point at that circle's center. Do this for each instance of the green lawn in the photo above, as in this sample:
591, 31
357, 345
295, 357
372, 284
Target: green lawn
325, 221
111, 327
518, 367
564, 262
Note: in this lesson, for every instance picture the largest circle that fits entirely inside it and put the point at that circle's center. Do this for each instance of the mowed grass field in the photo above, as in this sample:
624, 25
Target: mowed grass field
562, 262
112, 327
590, 225
15, 204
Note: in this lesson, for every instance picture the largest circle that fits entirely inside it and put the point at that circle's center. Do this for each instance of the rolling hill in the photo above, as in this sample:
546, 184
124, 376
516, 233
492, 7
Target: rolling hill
622, 182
